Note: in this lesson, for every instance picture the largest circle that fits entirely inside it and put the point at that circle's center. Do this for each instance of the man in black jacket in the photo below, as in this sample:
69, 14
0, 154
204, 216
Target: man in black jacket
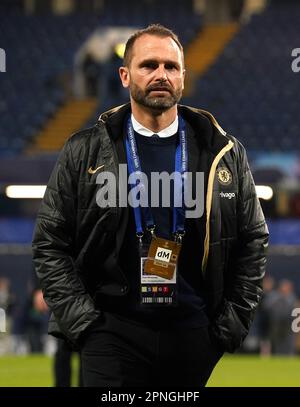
152, 294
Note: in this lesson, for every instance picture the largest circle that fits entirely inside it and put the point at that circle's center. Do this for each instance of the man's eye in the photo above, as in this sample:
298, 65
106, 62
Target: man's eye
170, 66
149, 65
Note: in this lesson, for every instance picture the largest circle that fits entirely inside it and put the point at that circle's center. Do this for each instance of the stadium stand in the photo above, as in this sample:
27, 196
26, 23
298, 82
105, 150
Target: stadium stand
251, 88
43, 48
40, 49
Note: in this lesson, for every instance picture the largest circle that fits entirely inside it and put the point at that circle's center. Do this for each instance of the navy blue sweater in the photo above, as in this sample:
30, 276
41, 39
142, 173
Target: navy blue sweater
157, 155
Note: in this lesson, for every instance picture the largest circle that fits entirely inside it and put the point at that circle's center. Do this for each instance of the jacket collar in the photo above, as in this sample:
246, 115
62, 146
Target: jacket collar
114, 120
205, 126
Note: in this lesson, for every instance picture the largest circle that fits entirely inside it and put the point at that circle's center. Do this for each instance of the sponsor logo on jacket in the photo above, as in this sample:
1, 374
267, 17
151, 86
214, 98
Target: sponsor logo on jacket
228, 195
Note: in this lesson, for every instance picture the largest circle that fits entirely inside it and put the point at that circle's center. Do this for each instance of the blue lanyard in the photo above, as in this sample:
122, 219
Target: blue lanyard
181, 166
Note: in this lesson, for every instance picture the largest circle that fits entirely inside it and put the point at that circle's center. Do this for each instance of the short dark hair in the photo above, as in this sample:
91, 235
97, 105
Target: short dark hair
153, 29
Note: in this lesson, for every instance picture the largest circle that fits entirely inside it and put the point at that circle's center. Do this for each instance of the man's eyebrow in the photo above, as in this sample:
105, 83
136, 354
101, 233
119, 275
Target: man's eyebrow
148, 61
157, 61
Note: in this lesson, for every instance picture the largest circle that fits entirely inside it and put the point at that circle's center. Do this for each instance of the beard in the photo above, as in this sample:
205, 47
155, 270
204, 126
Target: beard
158, 103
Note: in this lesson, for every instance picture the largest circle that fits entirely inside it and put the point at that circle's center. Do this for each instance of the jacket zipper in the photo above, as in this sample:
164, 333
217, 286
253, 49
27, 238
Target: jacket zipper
116, 160
209, 194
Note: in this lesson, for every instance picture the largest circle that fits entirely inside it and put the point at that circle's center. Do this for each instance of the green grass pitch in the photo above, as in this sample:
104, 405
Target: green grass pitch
237, 370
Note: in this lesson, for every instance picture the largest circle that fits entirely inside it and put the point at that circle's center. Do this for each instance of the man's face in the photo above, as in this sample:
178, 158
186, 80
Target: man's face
155, 77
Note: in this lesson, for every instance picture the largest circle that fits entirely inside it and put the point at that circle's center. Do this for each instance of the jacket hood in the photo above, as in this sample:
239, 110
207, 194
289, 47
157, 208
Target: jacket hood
206, 127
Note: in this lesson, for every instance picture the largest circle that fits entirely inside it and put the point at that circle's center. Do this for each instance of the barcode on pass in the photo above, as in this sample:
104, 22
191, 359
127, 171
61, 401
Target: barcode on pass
157, 300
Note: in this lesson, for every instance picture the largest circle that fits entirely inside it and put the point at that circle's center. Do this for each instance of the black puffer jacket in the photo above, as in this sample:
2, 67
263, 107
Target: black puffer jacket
76, 243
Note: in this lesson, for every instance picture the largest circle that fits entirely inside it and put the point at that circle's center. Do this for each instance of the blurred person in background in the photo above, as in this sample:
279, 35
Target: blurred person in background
36, 320
283, 339
62, 362
110, 88
91, 70
63, 365
90, 257
264, 316
6, 296
7, 302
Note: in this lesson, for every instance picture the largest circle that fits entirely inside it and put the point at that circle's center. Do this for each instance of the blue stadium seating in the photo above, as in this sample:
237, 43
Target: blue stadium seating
251, 88
41, 48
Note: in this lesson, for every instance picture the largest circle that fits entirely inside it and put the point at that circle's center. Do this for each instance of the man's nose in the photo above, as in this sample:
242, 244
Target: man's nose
161, 73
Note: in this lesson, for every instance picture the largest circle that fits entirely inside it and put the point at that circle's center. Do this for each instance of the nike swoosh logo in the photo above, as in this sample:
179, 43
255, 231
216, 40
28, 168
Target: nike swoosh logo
91, 171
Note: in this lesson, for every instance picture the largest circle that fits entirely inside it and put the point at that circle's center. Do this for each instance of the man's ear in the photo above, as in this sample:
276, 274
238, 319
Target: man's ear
183, 77
124, 75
